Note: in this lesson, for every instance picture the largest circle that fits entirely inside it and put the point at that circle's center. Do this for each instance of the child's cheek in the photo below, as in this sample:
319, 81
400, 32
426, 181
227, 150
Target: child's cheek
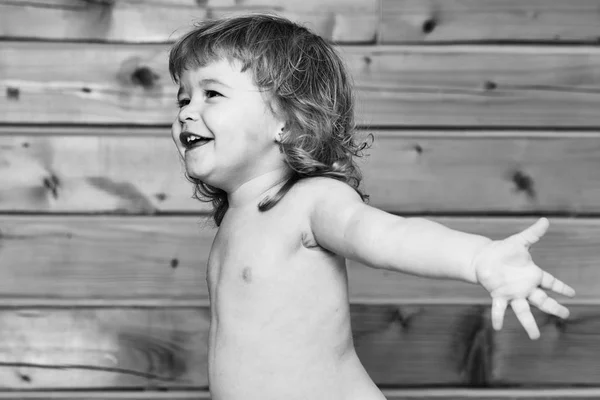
214, 120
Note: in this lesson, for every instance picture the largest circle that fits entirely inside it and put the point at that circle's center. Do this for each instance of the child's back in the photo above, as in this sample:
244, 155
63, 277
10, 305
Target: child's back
280, 324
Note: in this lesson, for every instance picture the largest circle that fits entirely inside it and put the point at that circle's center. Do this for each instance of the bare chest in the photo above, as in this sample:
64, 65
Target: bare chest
251, 252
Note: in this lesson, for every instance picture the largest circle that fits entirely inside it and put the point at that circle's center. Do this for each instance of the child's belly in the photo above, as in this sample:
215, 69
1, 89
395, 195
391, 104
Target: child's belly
285, 337
266, 366
304, 378
261, 374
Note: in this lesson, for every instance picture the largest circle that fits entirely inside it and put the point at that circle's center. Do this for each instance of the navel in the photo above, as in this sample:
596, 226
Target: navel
247, 274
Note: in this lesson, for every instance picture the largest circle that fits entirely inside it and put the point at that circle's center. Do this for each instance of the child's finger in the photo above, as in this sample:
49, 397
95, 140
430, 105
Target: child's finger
523, 313
540, 299
532, 235
498, 309
558, 286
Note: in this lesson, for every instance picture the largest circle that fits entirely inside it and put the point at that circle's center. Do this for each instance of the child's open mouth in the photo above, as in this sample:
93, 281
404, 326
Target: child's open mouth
191, 140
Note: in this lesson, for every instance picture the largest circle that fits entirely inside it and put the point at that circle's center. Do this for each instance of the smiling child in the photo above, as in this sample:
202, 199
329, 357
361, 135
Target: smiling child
266, 131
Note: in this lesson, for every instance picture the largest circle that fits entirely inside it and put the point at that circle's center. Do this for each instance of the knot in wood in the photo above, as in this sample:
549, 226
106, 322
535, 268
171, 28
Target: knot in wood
52, 183
161, 196
490, 85
145, 77
25, 377
429, 25
523, 182
12, 93
559, 323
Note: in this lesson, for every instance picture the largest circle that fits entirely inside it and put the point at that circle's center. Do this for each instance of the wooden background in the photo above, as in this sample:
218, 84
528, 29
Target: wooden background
486, 115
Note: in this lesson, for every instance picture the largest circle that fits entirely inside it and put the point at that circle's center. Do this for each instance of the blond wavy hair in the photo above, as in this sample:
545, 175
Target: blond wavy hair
309, 83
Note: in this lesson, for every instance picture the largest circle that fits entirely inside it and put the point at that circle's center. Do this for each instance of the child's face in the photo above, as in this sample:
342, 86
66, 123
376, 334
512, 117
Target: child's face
220, 102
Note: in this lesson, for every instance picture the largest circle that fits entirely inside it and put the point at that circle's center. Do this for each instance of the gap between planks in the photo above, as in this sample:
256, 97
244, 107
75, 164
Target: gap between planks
560, 393
199, 303
438, 132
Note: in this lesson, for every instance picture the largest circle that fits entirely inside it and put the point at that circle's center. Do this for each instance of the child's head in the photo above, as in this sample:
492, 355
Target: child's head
304, 84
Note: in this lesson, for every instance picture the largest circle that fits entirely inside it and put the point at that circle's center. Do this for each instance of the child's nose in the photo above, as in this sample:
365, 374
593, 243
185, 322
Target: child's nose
189, 113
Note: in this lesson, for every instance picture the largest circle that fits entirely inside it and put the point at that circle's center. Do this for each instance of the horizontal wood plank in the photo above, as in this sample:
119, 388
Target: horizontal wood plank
129, 259
492, 394
398, 394
140, 175
449, 345
418, 21
107, 395
133, 21
469, 86
568, 251
394, 341
403, 21
119, 171
340, 21
122, 21
482, 172
476, 86
432, 345
103, 348
103, 258
565, 346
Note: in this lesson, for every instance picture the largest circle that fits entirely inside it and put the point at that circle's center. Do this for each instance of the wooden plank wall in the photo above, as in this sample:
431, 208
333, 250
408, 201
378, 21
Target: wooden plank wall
485, 116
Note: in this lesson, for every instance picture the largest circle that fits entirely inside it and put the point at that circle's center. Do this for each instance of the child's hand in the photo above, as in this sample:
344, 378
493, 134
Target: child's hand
506, 270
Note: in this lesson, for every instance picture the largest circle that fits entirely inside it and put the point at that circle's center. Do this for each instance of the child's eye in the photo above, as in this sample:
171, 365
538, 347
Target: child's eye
211, 93
182, 103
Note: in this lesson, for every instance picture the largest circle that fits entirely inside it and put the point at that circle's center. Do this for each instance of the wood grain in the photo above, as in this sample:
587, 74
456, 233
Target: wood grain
398, 394
122, 21
482, 172
340, 21
104, 258
567, 251
565, 346
133, 21
492, 394
417, 21
476, 86
470, 86
125, 171
399, 345
107, 395
432, 345
103, 348
467, 350
89, 173
148, 260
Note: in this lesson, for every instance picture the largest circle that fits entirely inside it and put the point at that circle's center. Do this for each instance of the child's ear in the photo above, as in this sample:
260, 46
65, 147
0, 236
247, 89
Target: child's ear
279, 116
279, 134
281, 128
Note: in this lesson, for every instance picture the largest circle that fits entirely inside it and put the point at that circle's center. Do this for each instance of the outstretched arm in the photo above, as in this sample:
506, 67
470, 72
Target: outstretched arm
342, 223
346, 226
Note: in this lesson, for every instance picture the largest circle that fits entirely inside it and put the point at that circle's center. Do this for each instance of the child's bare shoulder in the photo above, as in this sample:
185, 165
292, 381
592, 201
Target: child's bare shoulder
317, 189
318, 197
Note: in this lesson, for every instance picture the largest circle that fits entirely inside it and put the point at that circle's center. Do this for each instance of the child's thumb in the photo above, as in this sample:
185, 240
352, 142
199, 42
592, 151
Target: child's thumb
532, 234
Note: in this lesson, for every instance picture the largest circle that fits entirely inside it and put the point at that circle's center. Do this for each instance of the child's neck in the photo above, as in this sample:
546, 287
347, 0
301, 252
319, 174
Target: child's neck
253, 190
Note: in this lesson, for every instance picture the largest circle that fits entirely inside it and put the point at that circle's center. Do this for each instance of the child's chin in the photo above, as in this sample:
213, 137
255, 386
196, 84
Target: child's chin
195, 173
194, 168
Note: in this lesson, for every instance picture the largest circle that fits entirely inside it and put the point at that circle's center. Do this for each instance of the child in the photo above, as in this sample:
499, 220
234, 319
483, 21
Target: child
265, 129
